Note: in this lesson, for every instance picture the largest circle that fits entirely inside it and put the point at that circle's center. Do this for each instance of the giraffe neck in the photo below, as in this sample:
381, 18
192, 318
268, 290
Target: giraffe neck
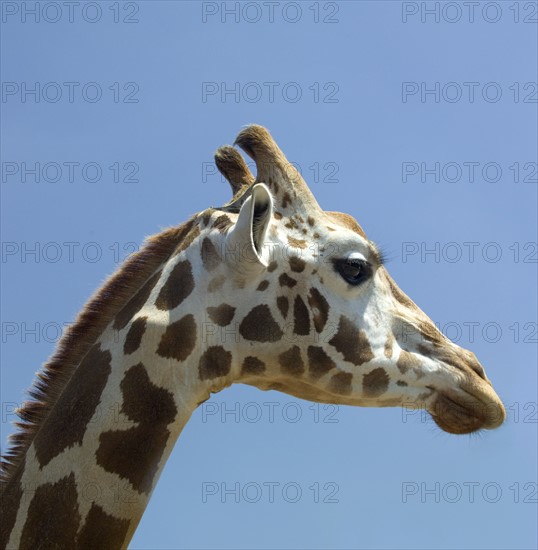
97, 477
86, 476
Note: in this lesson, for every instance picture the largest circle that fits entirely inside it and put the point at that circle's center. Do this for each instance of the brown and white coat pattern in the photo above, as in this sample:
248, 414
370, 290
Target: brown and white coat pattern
256, 291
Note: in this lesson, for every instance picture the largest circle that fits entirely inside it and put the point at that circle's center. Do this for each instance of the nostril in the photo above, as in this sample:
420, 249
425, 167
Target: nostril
463, 360
479, 370
476, 366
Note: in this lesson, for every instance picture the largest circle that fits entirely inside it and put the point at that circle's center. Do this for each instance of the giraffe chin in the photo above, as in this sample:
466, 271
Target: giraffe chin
466, 414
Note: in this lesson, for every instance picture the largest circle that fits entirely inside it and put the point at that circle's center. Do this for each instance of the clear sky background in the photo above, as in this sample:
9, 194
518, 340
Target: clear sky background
368, 478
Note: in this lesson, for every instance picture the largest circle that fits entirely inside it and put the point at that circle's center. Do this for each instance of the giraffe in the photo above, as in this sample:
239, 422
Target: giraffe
268, 290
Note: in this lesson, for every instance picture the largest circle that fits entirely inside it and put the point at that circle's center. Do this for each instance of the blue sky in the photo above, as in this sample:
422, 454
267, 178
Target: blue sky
369, 98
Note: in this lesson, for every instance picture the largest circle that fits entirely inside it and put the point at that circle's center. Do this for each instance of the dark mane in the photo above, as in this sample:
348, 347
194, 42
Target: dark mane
96, 315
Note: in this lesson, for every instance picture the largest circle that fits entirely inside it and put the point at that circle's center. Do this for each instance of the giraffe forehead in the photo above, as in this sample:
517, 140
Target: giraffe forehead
328, 237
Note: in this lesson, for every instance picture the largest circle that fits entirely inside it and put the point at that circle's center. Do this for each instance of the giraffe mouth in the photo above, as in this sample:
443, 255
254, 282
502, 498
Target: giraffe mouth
467, 411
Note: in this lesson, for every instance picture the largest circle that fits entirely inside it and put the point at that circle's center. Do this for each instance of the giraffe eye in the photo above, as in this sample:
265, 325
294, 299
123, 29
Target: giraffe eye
353, 270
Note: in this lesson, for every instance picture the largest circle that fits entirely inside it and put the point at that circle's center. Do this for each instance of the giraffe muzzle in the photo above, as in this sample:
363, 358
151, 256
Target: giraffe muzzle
473, 407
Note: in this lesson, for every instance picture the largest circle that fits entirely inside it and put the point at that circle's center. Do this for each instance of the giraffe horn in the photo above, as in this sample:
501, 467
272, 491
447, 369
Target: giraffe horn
271, 164
233, 167
259, 145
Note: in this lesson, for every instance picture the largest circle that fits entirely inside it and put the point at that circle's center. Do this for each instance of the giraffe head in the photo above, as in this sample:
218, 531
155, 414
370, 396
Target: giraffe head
268, 290
298, 300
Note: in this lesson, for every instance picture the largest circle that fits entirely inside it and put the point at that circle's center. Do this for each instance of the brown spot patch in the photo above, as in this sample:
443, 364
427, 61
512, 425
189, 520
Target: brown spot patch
260, 326
320, 308
262, 286
407, 361
187, 241
286, 280
296, 243
134, 336
277, 215
66, 423
252, 365
178, 339
297, 264
135, 453
221, 315
301, 323
222, 223
286, 199
177, 287
316, 235
401, 383
291, 224
135, 304
215, 362
53, 517
102, 530
145, 402
311, 221
216, 283
341, 383
206, 216
272, 266
388, 346
291, 362
283, 305
351, 342
9, 506
375, 383
210, 255
319, 363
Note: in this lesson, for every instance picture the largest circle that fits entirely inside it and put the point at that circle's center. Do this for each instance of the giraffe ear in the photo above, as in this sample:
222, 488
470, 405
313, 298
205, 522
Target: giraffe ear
251, 228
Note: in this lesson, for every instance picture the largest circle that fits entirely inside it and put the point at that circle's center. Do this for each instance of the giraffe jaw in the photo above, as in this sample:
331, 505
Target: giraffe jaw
466, 411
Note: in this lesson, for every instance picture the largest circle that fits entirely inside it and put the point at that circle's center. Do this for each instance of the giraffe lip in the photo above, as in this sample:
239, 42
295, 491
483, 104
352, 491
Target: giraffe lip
468, 410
